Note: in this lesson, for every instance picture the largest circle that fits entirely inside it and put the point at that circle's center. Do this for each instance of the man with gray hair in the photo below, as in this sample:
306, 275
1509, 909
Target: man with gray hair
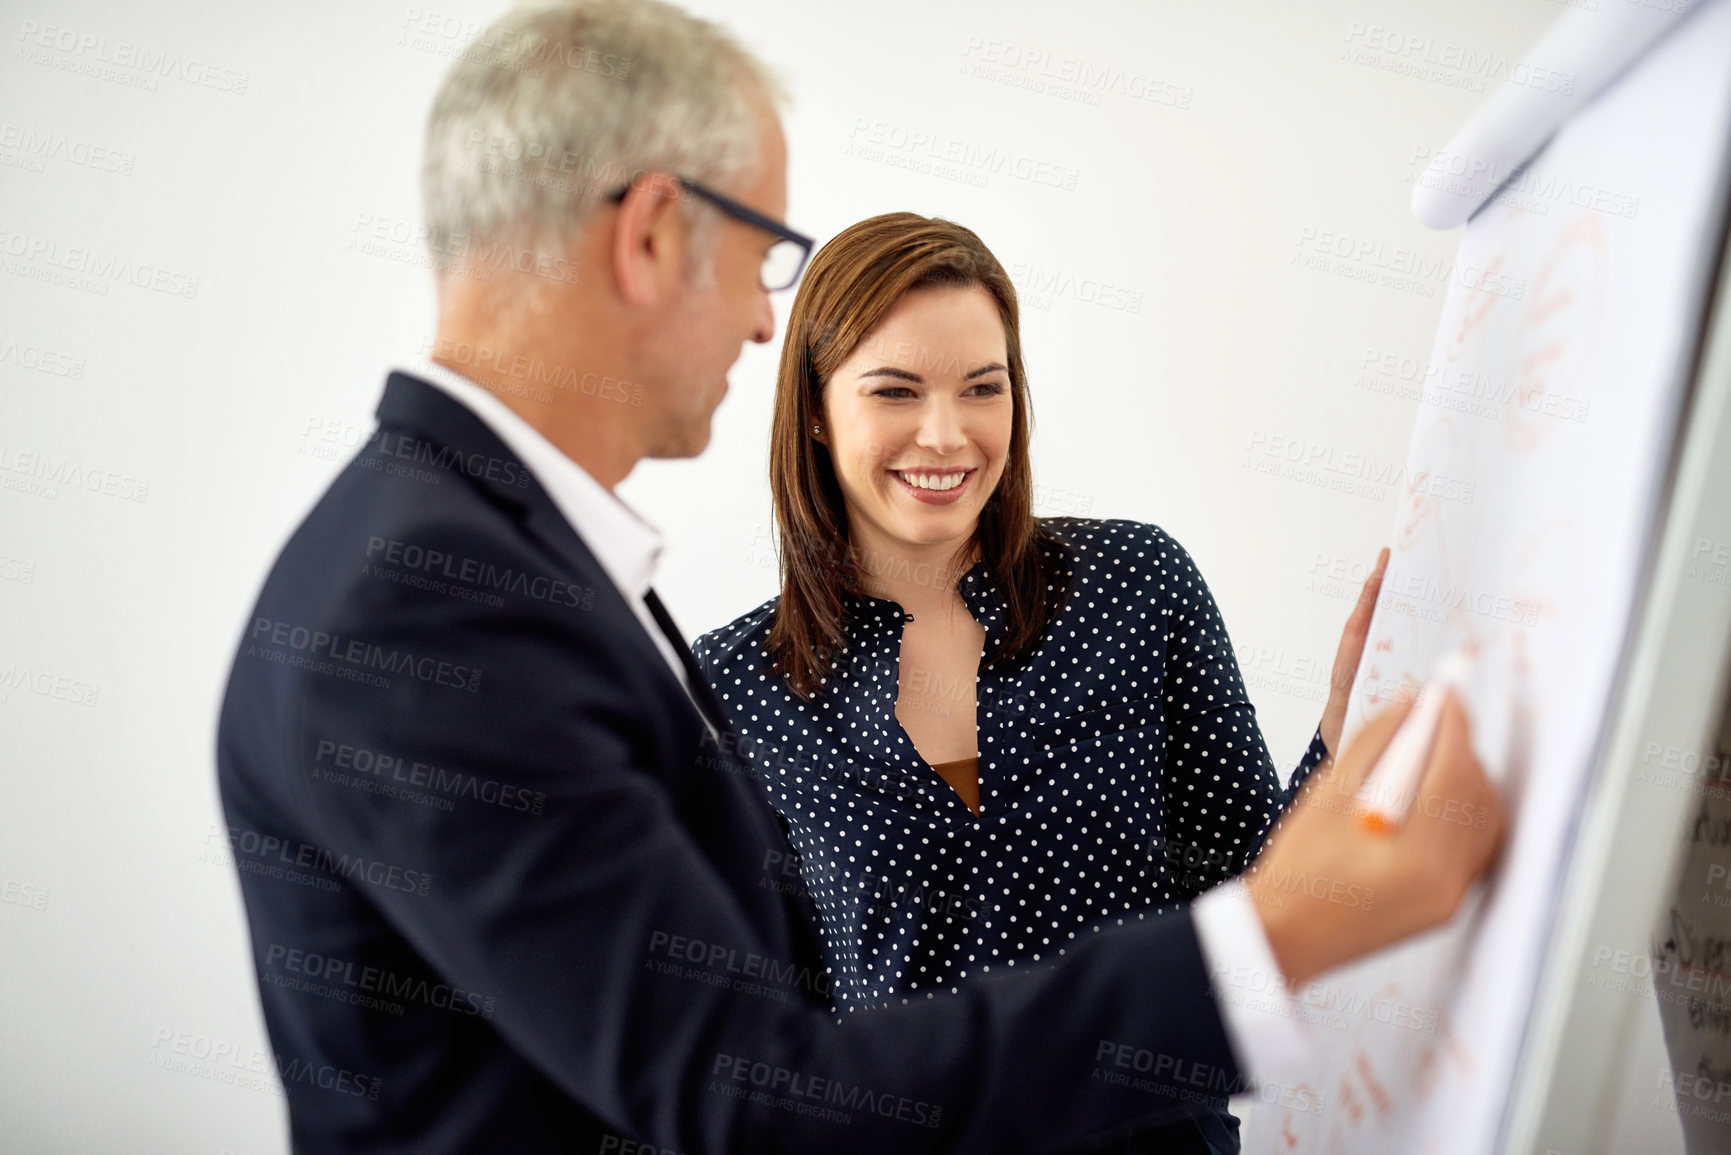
509, 884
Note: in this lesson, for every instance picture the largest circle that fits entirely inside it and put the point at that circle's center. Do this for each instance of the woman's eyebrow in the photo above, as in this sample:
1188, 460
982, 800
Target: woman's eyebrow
905, 375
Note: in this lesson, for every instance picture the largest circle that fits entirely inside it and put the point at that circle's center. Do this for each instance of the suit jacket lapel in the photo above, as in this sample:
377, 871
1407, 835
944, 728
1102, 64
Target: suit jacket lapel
471, 446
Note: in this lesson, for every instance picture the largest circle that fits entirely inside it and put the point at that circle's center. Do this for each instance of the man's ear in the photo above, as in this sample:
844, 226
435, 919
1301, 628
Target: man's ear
649, 239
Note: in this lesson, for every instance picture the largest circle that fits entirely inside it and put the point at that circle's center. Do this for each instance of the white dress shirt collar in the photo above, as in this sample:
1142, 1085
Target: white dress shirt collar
627, 547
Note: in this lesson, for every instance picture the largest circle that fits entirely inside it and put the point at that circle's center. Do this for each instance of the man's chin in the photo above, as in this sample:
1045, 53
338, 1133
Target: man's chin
689, 443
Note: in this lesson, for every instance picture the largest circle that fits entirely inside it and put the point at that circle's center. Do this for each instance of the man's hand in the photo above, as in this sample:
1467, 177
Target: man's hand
1352, 640
1329, 890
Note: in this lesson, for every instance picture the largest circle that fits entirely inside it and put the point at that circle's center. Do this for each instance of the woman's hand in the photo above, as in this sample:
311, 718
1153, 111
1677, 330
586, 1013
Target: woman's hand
1352, 640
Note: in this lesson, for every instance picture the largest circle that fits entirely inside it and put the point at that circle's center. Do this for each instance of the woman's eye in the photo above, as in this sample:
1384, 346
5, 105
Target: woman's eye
893, 391
990, 388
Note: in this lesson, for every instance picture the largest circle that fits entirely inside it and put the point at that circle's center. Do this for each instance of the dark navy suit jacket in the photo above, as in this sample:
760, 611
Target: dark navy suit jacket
505, 893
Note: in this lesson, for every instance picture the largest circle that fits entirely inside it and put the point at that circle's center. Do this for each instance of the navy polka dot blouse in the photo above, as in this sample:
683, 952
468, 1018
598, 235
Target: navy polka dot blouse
1121, 772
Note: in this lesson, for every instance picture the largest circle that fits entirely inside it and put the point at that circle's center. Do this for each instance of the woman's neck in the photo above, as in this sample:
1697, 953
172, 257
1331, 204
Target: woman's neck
919, 578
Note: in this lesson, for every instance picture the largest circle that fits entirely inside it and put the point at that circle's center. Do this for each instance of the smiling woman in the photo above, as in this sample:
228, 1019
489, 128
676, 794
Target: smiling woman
987, 732
904, 341
917, 445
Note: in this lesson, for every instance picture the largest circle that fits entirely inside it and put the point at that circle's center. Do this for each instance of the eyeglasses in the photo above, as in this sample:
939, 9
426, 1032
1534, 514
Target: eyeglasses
785, 260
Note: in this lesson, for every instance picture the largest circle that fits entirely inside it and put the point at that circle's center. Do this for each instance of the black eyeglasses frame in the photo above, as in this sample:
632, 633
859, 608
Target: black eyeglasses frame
745, 215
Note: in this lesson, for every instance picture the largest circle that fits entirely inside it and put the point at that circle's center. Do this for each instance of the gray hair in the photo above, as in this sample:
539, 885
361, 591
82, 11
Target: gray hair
559, 103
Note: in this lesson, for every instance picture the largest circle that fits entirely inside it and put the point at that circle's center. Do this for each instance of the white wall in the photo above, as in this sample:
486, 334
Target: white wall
1275, 130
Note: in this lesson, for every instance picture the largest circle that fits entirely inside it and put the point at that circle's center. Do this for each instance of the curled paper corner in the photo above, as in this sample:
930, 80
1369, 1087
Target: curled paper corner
1581, 54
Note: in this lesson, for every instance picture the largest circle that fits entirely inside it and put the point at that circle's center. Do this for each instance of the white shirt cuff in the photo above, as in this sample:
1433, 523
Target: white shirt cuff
1275, 1044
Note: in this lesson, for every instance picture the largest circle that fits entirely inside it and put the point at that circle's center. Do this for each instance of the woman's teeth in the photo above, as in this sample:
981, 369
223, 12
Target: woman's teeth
938, 481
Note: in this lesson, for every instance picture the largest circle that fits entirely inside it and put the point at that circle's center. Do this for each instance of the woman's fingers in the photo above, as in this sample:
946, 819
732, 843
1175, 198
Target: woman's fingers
1346, 657
1367, 595
1357, 629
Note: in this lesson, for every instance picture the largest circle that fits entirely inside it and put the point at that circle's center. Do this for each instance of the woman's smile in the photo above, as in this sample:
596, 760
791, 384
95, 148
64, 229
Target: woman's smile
934, 486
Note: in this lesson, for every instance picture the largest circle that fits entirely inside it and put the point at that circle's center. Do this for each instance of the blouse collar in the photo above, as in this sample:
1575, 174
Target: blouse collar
873, 620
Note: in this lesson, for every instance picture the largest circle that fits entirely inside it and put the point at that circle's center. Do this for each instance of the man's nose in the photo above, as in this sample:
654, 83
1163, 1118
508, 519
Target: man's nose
763, 324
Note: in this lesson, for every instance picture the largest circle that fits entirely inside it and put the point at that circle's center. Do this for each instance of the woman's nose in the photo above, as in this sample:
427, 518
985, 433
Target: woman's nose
941, 428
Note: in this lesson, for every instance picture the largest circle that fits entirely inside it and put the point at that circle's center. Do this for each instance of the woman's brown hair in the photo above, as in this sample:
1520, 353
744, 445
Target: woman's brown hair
853, 282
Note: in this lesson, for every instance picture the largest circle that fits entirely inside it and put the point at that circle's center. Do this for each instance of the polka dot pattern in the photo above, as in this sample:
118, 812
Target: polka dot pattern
1122, 771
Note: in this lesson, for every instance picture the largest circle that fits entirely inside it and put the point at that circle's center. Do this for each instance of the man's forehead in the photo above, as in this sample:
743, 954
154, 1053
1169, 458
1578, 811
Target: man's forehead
774, 147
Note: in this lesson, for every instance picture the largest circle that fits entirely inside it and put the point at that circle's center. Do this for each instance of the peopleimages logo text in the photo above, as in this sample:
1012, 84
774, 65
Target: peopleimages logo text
362, 655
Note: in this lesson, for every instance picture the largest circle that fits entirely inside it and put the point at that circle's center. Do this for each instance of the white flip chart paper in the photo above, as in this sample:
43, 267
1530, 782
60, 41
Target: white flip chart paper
1536, 464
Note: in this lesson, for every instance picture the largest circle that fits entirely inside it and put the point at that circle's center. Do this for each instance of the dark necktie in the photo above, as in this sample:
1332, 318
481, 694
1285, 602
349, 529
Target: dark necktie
700, 692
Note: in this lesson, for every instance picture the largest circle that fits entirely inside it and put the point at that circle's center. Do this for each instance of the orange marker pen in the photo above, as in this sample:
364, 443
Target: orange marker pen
1388, 791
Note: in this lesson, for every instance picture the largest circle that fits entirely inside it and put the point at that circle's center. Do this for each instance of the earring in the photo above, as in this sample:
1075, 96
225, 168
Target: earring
816, 430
